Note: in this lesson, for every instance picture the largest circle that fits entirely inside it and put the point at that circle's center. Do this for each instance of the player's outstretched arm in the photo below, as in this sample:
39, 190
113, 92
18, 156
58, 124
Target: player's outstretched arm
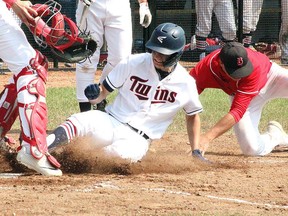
193, 125
223, 125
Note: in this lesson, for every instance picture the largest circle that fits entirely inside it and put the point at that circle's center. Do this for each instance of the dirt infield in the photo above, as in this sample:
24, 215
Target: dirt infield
166, 182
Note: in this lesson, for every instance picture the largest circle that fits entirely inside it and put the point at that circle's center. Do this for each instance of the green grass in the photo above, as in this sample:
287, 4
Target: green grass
216, 104
62, 103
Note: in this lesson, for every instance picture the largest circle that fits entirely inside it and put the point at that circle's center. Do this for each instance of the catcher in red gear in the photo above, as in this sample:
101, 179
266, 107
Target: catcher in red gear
25, 94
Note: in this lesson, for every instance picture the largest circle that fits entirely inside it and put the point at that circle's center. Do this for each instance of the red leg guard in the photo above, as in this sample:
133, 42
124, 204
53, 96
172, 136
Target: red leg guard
36, 116
36, 111
8, 108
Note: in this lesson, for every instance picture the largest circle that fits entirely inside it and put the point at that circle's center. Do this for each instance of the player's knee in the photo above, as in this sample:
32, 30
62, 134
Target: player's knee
250, 151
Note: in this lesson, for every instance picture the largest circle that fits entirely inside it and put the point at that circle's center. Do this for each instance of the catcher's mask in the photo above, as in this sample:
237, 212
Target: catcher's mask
51, 27
168, 39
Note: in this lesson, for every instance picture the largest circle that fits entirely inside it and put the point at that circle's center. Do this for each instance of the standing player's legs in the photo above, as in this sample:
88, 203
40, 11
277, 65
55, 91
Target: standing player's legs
256, 11
118, 34
283, 35
251, 14
204, 11
30, 71
85, 71
224, 12
119, 42
247, 132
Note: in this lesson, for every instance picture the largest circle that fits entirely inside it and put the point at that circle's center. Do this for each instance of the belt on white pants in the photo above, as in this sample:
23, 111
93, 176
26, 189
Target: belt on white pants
139, 132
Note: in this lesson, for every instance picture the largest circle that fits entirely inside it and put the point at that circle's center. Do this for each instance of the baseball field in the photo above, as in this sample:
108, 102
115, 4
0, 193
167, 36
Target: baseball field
166, 182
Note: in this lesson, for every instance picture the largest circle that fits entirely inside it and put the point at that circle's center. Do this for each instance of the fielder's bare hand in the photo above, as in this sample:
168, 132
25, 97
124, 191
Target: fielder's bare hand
204, 143
198, 155
24, 11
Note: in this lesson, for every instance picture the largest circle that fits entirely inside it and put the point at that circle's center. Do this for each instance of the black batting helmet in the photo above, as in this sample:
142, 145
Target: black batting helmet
168, 39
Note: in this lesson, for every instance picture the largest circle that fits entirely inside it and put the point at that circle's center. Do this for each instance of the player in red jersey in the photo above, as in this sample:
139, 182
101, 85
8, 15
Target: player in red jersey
251, 80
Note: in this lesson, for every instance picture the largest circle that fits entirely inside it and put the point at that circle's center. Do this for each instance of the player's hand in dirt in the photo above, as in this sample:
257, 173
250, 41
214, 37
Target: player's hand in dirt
204, 143
198, 155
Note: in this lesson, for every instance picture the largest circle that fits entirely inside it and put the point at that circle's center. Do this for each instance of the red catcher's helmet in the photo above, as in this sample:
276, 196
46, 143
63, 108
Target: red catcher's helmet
51, 28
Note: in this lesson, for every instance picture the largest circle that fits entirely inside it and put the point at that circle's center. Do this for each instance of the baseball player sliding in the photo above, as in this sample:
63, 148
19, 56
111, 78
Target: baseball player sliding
251, 80
152, 88
108, 20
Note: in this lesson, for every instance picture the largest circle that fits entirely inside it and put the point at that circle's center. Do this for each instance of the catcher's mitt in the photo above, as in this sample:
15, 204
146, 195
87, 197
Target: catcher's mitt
78, 51
59, 33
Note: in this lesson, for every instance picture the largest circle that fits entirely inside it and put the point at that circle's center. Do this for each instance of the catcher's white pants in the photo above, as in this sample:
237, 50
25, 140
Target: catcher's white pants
16, 52
110, 20
107, 133
246, 130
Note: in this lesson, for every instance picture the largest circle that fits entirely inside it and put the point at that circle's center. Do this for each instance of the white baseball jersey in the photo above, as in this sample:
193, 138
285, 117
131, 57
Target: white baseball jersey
144, 101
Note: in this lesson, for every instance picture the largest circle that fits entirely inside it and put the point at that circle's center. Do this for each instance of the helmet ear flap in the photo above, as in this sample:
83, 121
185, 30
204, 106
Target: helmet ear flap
168, 39
173, 59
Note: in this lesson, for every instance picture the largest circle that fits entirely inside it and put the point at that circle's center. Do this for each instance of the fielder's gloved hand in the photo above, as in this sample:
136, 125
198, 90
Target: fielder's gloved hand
92, 91
145, 14
197, 154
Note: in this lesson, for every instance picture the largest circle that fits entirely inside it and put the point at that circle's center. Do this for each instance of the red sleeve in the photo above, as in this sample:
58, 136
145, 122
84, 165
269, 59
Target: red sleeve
202, 73
240, 104
193, 73
248, 88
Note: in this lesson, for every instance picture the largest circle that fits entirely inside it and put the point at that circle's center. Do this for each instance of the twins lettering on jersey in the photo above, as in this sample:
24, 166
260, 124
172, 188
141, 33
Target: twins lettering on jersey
141, 91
